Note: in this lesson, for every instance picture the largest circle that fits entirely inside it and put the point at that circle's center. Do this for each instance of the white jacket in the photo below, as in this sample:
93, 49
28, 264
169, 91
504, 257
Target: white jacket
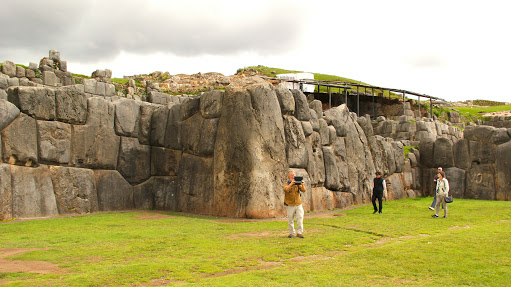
442, 187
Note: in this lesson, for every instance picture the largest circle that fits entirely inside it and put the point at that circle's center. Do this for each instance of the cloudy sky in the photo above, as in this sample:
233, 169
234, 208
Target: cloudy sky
456, 50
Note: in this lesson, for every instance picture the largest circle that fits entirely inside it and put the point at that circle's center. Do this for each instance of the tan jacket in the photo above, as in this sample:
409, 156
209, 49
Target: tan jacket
442, 187
292, 194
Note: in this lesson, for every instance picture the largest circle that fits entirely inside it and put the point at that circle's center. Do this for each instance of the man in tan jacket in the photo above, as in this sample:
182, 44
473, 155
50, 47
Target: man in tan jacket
293, 203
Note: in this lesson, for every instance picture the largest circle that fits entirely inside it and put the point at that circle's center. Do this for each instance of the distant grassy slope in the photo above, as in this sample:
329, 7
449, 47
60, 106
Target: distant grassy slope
267, 71
476, 113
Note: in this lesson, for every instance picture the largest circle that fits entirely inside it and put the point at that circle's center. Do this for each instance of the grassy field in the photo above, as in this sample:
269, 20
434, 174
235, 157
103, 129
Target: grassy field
477, 112
404, 246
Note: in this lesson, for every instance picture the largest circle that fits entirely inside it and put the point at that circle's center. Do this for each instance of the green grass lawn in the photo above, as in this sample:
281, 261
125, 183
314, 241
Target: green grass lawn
477, 112
403, 246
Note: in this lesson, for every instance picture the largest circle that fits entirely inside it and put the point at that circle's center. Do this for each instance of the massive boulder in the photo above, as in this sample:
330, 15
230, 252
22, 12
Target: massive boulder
19, 141
9, 113
296, 150
75, 190
443, 153
302, 111
37, 102
457, 179
95, 144
114, 192
481, 182
250, 161
134, 162
196, 185
54, 141
32, 192
127, 117
71, 104
211, 104
5, 192
503, 171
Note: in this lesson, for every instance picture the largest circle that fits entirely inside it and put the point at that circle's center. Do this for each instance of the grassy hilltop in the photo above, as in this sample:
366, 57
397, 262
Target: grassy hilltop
404, 246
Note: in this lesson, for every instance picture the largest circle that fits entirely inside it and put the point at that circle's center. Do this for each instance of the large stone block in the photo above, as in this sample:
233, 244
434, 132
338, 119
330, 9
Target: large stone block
457, 179
296, 151
503, 171
114, 192
134, 160
32, 192
286, 99
89, 86
317, 106
95, 144
158, 126
208, 137
395, 188
19, 141
166, 192
315, 121
461, 154
164, 162
399, 155
211, 104
315, 162
9, 112
481, 182
50, 79
9, 68
324, 132
196, 183
302, 110
189, 107
20, 72
332, 180
5, 192
127, 117
100, 89
173, 129
54, 142
249, 150
426, 148
481, 152
75, 189
144, 128
478, 133
500, 136
443, 153
71, 104
191, 133
37, 102
143, 195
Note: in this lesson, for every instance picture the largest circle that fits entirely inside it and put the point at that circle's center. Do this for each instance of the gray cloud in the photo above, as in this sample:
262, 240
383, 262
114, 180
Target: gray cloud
92, 31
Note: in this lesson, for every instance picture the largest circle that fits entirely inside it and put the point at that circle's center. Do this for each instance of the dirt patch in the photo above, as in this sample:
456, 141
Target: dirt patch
460, 227
10, 265
498, 114
152, 215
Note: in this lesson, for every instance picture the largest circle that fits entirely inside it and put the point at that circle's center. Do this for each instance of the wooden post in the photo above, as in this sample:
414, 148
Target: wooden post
329, 98
431, 107
372, 92
358, 102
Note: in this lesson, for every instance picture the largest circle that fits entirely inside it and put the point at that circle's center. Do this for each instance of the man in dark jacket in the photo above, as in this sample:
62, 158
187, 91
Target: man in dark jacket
380, 187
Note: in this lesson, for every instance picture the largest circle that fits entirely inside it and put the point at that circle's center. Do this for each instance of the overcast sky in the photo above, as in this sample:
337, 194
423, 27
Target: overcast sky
456, 50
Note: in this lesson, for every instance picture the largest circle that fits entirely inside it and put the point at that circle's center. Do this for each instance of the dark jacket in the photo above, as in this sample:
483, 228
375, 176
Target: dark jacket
378, 185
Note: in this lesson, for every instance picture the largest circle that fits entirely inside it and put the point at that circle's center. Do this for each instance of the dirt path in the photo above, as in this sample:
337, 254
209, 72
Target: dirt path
11, 265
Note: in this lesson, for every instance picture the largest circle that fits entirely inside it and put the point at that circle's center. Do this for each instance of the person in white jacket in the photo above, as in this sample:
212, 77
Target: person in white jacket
442, 190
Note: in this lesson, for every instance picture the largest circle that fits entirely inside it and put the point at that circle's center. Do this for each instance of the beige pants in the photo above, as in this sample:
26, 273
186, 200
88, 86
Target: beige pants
295, 211
441, 200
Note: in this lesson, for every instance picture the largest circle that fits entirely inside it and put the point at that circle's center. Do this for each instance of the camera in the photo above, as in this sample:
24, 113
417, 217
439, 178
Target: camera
298, 180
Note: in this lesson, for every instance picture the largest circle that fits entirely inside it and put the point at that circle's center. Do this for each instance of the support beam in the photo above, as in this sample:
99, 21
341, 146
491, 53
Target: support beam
431, 107
420, 116
372, 93
329, 98
358, 102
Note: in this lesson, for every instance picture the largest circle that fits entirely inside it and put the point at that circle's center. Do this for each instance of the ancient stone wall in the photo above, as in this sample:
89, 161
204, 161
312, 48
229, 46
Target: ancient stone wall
70, 148
478, 166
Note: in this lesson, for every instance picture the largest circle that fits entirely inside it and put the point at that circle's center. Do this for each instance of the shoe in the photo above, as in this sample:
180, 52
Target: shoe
291, 236
445, 216
431, 208
379, 212
434, 215
299, 235
375, 211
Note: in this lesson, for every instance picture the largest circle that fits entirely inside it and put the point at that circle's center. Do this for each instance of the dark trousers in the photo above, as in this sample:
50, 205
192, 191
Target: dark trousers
380, 198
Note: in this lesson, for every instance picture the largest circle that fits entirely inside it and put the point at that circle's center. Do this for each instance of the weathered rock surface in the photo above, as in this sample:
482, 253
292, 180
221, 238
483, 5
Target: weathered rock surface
71, 104
19, 141
37, 102
481, 182
54, 142
134, 160
211, 104
32, 192
302, 111
5, 192
247, 157
95, 144
503, 171
75, 190
114, 192
126, 117
9, 112
296, 150
286, 99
